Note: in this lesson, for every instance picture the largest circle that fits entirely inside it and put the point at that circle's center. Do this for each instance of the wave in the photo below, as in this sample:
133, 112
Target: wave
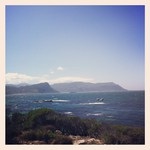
109, 116
68, 113
95, 103
96, 114
60, 100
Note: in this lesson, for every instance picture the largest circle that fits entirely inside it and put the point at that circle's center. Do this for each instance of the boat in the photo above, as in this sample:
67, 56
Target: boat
100, 99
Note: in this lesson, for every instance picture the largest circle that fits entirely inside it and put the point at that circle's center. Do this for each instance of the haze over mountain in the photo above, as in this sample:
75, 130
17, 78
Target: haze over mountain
87, 87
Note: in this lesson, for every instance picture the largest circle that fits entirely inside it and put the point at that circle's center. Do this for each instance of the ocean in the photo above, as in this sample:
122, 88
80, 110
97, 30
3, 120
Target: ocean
124, 108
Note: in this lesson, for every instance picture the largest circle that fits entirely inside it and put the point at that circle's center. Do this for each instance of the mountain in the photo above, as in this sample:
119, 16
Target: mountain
63, 87
35, 88
87, 87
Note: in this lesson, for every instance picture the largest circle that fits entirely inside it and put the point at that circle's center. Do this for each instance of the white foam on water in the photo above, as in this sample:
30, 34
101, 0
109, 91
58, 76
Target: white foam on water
110, 116
68, 113
60, 100
95, 114
95, 103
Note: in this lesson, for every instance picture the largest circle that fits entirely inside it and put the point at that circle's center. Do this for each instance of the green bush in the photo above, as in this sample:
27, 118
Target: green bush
38, 117
94, 127
41, 125
71, 125
123, 135
40, 135
14, 126
66, 124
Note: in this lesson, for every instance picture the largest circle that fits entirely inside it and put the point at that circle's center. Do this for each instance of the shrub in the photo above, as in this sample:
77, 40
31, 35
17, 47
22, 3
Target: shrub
41, 135
38, 117
14, 126
123, 135
41, 125
94, 127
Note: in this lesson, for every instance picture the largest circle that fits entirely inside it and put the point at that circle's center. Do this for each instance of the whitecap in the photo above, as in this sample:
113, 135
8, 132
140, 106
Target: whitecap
95, 103
60, 100
68, 113
110, 116
96, 114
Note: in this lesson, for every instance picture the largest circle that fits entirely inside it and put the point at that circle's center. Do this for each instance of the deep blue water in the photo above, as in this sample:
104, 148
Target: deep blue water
127, 108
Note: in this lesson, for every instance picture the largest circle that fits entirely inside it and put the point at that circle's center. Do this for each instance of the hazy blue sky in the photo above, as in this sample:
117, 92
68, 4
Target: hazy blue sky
75, 43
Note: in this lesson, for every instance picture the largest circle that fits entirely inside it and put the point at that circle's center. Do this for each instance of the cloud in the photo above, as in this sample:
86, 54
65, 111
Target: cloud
71, 79
52, 72
60, 68
17, 78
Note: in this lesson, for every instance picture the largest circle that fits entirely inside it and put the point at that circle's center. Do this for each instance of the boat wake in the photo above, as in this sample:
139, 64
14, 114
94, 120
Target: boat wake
51, 101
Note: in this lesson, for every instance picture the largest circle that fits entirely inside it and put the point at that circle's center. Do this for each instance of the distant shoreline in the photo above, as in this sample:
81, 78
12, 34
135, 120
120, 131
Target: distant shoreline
73, 87
77, 92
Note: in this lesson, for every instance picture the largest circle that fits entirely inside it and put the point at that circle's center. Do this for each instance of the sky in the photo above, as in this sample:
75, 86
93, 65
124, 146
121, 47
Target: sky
58, 44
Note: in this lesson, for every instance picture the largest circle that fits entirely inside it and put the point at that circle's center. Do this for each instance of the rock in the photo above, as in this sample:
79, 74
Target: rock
58, 132
79, 140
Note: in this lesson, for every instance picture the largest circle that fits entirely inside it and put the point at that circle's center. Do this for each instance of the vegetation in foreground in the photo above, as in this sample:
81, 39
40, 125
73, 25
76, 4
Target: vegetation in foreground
44, 126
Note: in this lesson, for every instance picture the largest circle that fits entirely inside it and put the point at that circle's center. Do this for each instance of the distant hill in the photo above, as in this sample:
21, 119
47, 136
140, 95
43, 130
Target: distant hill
63, 87
87, 87
35, 88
